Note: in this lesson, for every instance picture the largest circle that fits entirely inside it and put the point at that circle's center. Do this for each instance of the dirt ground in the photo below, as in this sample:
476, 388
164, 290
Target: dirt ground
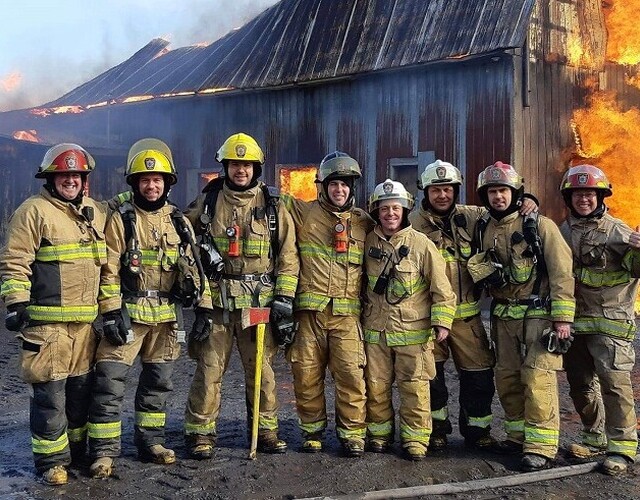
230, 475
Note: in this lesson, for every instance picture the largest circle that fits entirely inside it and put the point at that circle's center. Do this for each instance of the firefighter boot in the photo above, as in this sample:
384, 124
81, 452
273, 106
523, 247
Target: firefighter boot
55, 476
353, 447
102, 468
312, 442
531, 462
415, 451
200, 446
268, 442
615, 464
378, 444
157, 454
593, 444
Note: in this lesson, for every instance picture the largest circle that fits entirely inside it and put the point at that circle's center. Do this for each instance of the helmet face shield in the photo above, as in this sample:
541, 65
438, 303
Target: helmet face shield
438, 173
65, 158
390, 190
240, 147
150, 156
336, 165
499, 174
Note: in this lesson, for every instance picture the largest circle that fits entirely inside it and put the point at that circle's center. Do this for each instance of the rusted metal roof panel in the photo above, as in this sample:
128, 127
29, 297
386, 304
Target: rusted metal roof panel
303, 41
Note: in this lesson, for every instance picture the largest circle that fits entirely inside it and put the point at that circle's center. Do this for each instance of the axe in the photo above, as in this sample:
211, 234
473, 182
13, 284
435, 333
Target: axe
258, 317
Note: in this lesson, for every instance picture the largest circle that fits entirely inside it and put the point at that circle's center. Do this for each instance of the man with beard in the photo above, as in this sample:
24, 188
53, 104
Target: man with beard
50, 272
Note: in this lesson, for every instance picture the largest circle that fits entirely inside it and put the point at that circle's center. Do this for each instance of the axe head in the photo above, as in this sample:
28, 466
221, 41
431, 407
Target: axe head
252, 316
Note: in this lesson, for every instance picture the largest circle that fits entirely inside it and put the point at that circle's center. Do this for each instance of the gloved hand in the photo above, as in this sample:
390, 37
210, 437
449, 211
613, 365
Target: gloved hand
202, 325
283, 327
17, 316
553, 343
114, 328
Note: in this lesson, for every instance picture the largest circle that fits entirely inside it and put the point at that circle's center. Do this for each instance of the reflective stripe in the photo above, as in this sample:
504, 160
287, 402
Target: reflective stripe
246, 247
149, 419
340, 306
146, 313
152, 257
542, 436
595, 439
205, 429
514, 426
77, 435
313, 427
409, 287
354, 255
467, 310
442, 315
72, 252
384, 429
105, 430
13, 286
563, 308
516, 311
619, 329
521, 274
268, 423
442, 414
481, 422
350, 433
286, 285
242, 301
45, 447
408, 337
109, 292
447, 256
418, 435
63, 314
626, 448
594, 278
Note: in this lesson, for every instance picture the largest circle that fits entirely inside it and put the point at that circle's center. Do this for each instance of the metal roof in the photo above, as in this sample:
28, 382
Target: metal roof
299, 41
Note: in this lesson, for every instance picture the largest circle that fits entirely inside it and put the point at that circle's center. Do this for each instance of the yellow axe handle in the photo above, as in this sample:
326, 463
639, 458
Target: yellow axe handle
257, 382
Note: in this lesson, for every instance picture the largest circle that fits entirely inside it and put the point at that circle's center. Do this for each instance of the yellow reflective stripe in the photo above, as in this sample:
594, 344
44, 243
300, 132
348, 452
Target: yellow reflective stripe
521, 274
13, 286
542, 436
442, 315
595, 439
631, 259
312, 301
594, 278
350, 433
286, 285
563, 308
627, 448
72, 251
246, 300
328, 253
63, 314
346, 307
467, 310
442, 414
77, 435
514, 426
619, 329
150, 419
447, 256
371, 336
382, 429
208, 428
46, 447
246, 247
108, 292
482, 422
418, 435
518, 311
152, 257
146, 313
312, 427
268, 423
105, 430
409, 287
409, 337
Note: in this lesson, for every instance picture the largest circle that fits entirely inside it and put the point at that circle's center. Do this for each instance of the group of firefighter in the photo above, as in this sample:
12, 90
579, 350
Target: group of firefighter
378, 297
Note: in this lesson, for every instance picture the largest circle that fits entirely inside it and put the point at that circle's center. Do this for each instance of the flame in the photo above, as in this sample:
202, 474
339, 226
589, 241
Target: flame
206, 177
11, 82
299, 182
577, 54
74, 109
26, 135
97, 105
178, 94
213, 90
623, 43
137, 98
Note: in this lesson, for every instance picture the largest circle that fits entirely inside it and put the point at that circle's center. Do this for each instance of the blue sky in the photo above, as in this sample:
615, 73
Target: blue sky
48, 47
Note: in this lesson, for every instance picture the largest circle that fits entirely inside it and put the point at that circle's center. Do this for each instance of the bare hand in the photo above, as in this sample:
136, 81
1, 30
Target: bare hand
528, 206
634, 239
441, 333
563, 329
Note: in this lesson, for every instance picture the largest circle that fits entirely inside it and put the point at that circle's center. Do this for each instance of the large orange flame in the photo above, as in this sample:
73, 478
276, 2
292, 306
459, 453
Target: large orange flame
299, 182
623, 43
26, 135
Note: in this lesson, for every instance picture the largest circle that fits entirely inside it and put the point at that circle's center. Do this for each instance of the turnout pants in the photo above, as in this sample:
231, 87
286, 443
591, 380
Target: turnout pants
158, 348
326, 340
57, 359
212, 356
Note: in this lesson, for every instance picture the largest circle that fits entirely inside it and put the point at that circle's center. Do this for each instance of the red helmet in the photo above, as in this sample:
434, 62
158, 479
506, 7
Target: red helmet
585, 177
64, 158
499, 174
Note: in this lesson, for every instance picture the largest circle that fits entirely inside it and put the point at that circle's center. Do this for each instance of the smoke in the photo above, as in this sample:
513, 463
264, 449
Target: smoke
50, 68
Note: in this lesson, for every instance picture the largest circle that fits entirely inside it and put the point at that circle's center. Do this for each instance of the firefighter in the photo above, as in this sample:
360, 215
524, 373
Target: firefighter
606, 266
251, 260
409, 302
50, 270
330, 233
525, 264
150, 274
450, 226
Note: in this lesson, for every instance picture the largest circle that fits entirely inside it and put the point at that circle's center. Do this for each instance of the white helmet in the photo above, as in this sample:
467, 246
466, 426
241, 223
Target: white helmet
390, 190
439, 172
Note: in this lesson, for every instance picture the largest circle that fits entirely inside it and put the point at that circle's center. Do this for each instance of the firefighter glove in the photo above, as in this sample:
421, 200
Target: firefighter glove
555, 345
114, 328
283, 325
202, 325
17, 317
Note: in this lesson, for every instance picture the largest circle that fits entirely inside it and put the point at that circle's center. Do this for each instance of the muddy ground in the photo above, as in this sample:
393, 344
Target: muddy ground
230, 475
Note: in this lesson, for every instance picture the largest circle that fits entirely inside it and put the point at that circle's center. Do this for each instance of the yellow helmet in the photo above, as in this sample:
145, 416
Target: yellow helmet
439, 172
150, 156
241, 147
66, 158
390, 190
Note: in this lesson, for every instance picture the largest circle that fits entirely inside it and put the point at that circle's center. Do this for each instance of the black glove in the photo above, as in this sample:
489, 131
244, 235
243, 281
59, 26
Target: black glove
283, 327
114, 328
553, 344
202, 325
17, 317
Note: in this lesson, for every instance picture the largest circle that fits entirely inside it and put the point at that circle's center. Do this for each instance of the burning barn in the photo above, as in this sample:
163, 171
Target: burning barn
394, 83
